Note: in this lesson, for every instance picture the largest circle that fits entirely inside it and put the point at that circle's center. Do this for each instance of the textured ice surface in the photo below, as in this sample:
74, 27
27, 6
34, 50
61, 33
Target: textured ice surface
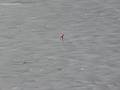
33, 58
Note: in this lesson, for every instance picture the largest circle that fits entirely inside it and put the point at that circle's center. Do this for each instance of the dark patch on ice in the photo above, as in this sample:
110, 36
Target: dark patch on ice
23, 2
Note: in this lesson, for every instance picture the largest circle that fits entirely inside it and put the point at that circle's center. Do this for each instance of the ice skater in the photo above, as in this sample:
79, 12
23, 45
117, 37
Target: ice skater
61, 36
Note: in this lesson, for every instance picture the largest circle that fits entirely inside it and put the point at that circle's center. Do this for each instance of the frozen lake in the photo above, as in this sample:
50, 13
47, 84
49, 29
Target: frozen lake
32, 57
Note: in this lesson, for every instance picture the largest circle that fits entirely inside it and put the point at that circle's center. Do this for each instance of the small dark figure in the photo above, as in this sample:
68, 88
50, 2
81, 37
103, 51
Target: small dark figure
62, 36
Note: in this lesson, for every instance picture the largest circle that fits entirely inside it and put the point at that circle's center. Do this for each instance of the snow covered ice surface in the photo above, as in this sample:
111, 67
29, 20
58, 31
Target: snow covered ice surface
32, 57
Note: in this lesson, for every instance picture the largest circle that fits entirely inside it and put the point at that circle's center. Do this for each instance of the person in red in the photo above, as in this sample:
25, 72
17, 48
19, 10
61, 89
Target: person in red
61, 36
